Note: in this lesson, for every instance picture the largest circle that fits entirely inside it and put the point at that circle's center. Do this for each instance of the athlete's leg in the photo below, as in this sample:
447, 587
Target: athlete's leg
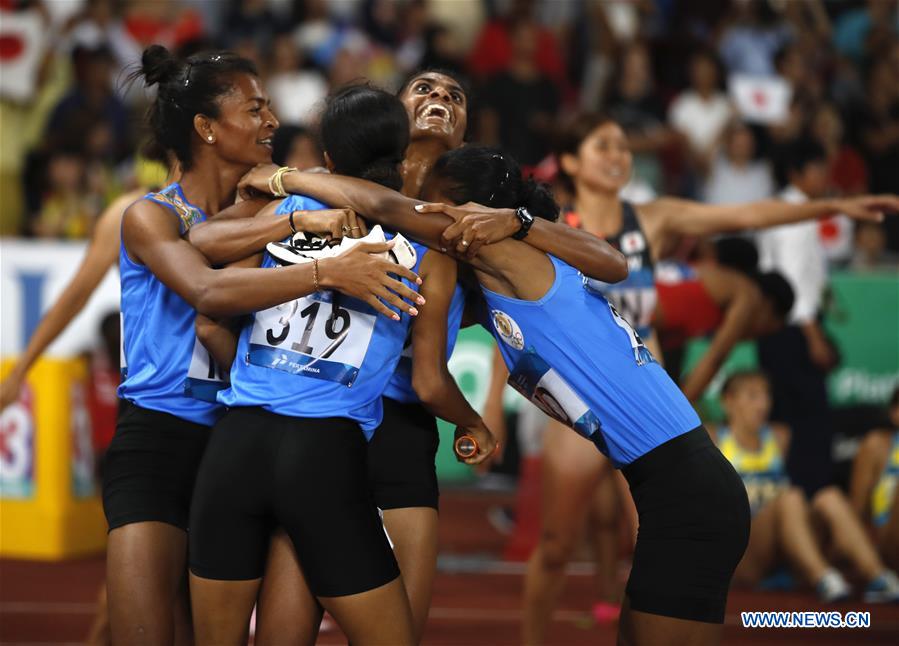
796, 536
99, 630
222, 610
761, 552
286, 612
413, 532
603, 531
377, 617
847, 536
571, 468
145, 564
643, 629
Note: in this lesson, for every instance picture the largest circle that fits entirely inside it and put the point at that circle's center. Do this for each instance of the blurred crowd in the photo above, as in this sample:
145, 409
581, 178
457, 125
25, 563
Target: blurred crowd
710, 94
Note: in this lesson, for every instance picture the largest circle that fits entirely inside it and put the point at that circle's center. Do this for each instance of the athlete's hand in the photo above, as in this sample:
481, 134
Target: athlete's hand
360, 272
475, 225
486, 442
331, 223
256, 181
867, 207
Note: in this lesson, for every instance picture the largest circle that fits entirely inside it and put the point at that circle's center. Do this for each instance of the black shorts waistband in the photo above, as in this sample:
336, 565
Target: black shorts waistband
664, 455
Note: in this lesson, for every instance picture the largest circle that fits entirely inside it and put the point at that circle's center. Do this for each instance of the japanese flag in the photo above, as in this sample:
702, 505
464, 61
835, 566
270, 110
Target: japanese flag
22, 38
761, 99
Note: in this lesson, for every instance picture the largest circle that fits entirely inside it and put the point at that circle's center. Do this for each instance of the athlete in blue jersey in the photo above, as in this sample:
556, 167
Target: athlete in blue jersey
401, 456
211, 113
291, 451
597, 376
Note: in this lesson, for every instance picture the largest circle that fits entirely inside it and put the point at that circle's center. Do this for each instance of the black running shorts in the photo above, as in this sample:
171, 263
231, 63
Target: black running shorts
401, 455
694, 528
150, 467
263, 471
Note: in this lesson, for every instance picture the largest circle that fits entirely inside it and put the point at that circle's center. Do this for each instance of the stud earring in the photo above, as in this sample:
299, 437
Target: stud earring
209, 138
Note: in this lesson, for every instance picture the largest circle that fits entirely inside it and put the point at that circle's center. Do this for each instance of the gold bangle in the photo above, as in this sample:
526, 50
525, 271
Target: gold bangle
276, 181
315, 275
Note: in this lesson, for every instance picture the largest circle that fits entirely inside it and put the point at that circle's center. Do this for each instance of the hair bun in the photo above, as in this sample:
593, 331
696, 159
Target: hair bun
538, 198
158, 65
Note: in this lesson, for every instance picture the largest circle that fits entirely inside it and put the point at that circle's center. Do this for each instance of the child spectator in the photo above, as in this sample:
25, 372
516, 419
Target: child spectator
783, 519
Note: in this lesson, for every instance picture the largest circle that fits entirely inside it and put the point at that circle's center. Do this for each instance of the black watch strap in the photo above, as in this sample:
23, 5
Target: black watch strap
524, 216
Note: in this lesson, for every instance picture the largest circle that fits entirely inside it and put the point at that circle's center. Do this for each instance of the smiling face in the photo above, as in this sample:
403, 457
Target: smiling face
244, 128
437, 108
749, 402
603, 160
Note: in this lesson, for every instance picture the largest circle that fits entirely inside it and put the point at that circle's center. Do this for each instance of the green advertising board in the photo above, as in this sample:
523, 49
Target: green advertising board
862, 318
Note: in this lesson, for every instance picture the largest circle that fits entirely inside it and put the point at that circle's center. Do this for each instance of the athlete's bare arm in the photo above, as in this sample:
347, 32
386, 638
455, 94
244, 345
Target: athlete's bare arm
586, 253
739, 299
151, 237
669, 215
102, 253
235, 233
431, 379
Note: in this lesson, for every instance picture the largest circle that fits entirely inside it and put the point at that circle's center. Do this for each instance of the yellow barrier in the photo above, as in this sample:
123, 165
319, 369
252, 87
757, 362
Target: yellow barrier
50, 507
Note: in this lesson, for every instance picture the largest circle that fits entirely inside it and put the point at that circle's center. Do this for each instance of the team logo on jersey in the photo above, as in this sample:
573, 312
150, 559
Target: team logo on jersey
508, 329
632, 242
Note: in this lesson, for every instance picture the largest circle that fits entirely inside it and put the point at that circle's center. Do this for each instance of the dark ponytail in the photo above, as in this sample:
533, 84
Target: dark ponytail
365, 132
490, 177
185, 88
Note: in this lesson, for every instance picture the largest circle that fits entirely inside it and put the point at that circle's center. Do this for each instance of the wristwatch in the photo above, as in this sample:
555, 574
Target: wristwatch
524, 216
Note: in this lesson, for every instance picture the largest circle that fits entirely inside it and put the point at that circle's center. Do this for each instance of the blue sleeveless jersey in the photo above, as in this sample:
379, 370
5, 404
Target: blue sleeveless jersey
399, 387
575, 358
634, 297
165, 367
322, 355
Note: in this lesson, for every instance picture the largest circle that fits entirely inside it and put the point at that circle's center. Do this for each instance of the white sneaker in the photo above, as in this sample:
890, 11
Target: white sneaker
832, 587
883, 589
301, 248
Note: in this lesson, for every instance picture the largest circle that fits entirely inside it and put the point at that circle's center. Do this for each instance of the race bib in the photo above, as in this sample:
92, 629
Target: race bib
311, 337
546, 389
204, 376
636, 304
642, 354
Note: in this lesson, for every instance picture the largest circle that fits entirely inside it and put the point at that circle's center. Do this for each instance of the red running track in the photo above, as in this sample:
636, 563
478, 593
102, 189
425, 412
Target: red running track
476, 598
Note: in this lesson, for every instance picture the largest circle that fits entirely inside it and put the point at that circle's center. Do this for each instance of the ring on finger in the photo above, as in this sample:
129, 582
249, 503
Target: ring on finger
355, 228
346, 229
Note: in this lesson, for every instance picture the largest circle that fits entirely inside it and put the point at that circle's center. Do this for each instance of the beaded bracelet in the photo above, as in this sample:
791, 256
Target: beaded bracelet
276, 181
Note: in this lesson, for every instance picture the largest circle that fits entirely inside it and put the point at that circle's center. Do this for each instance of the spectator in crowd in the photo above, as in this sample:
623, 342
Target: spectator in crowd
783, 517
638, 109
848, 176
702, 112
873, 490
753, 35
67, 209
295, 92
799, 357
296, 147
850, 35
92, 98
880, 131
870, 250
250, 19
521, 102
494, 49
736, 175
